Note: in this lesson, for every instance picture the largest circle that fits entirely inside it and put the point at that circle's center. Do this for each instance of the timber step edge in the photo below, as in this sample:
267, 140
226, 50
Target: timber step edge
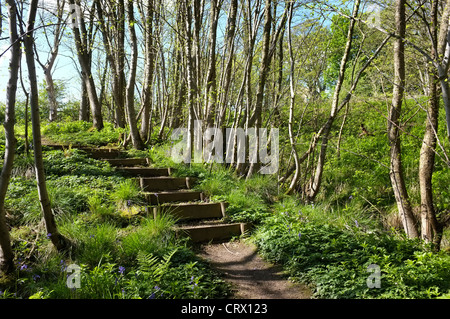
208, 233
192, 211
173, 196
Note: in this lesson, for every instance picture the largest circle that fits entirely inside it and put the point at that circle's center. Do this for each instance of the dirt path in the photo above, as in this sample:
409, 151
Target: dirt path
250, 276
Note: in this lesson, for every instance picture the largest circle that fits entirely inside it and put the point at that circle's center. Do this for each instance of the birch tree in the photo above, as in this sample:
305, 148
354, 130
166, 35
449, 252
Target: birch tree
396, 165
58, 240
47, 65
6, 253
83, 53
316, 179
131, 113
149, 67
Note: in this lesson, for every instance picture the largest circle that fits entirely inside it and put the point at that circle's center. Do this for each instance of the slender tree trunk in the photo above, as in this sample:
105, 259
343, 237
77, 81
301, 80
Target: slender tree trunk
292, 104
119, 53
114, 42
80, 34
252, 23
6, 253
148, 70
256, 119
186, 19
226, 74
180, 92
131, 113
396, 166
52, 101
211, 82
316, 179
197, 58
57, 239
431, 229
83, 114
443, 48
47, 67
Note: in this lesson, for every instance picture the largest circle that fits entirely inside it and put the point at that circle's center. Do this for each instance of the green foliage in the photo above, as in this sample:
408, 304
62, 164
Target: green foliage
74, 162
81, 133
335, 260
120, 257
152, 236
126, 193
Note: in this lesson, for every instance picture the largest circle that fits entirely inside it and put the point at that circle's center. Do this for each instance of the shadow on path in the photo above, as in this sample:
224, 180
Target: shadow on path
251, 276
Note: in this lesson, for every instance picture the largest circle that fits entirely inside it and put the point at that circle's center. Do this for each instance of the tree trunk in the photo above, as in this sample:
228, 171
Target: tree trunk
292, 104
396, 167
6, 253
252, 23
57, 239
211, 82
179, 96
131, 113
316, 179
51, 92
186, 20
47, 67
226, 74
146, 101
114, 43
83, 114
431, 229
84, 60
264, 68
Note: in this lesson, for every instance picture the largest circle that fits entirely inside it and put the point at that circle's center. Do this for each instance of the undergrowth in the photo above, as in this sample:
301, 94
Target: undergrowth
335, 260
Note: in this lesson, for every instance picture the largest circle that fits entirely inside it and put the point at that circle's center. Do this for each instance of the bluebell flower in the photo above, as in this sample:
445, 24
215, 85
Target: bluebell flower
356, 223
49, 235
299, 235
121, 270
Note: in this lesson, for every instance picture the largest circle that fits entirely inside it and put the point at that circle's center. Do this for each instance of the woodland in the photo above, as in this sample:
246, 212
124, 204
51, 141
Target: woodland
358, 207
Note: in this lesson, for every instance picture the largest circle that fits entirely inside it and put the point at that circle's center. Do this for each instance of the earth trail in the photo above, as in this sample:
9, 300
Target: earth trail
250, 276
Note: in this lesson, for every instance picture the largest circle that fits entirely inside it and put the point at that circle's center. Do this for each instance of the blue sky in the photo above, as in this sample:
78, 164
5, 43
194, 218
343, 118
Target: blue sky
64, 68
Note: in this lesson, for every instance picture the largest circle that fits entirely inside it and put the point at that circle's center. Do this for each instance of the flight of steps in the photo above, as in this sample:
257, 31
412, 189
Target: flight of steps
198, 218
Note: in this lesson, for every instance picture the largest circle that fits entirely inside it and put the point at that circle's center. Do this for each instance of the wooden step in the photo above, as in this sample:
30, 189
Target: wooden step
165, 183
102, 153
191, 211
173, 196
145, 171
207, 233
94, 152
125, 162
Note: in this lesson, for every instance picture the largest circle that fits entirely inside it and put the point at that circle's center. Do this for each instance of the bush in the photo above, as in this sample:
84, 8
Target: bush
336, 260
81, 133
